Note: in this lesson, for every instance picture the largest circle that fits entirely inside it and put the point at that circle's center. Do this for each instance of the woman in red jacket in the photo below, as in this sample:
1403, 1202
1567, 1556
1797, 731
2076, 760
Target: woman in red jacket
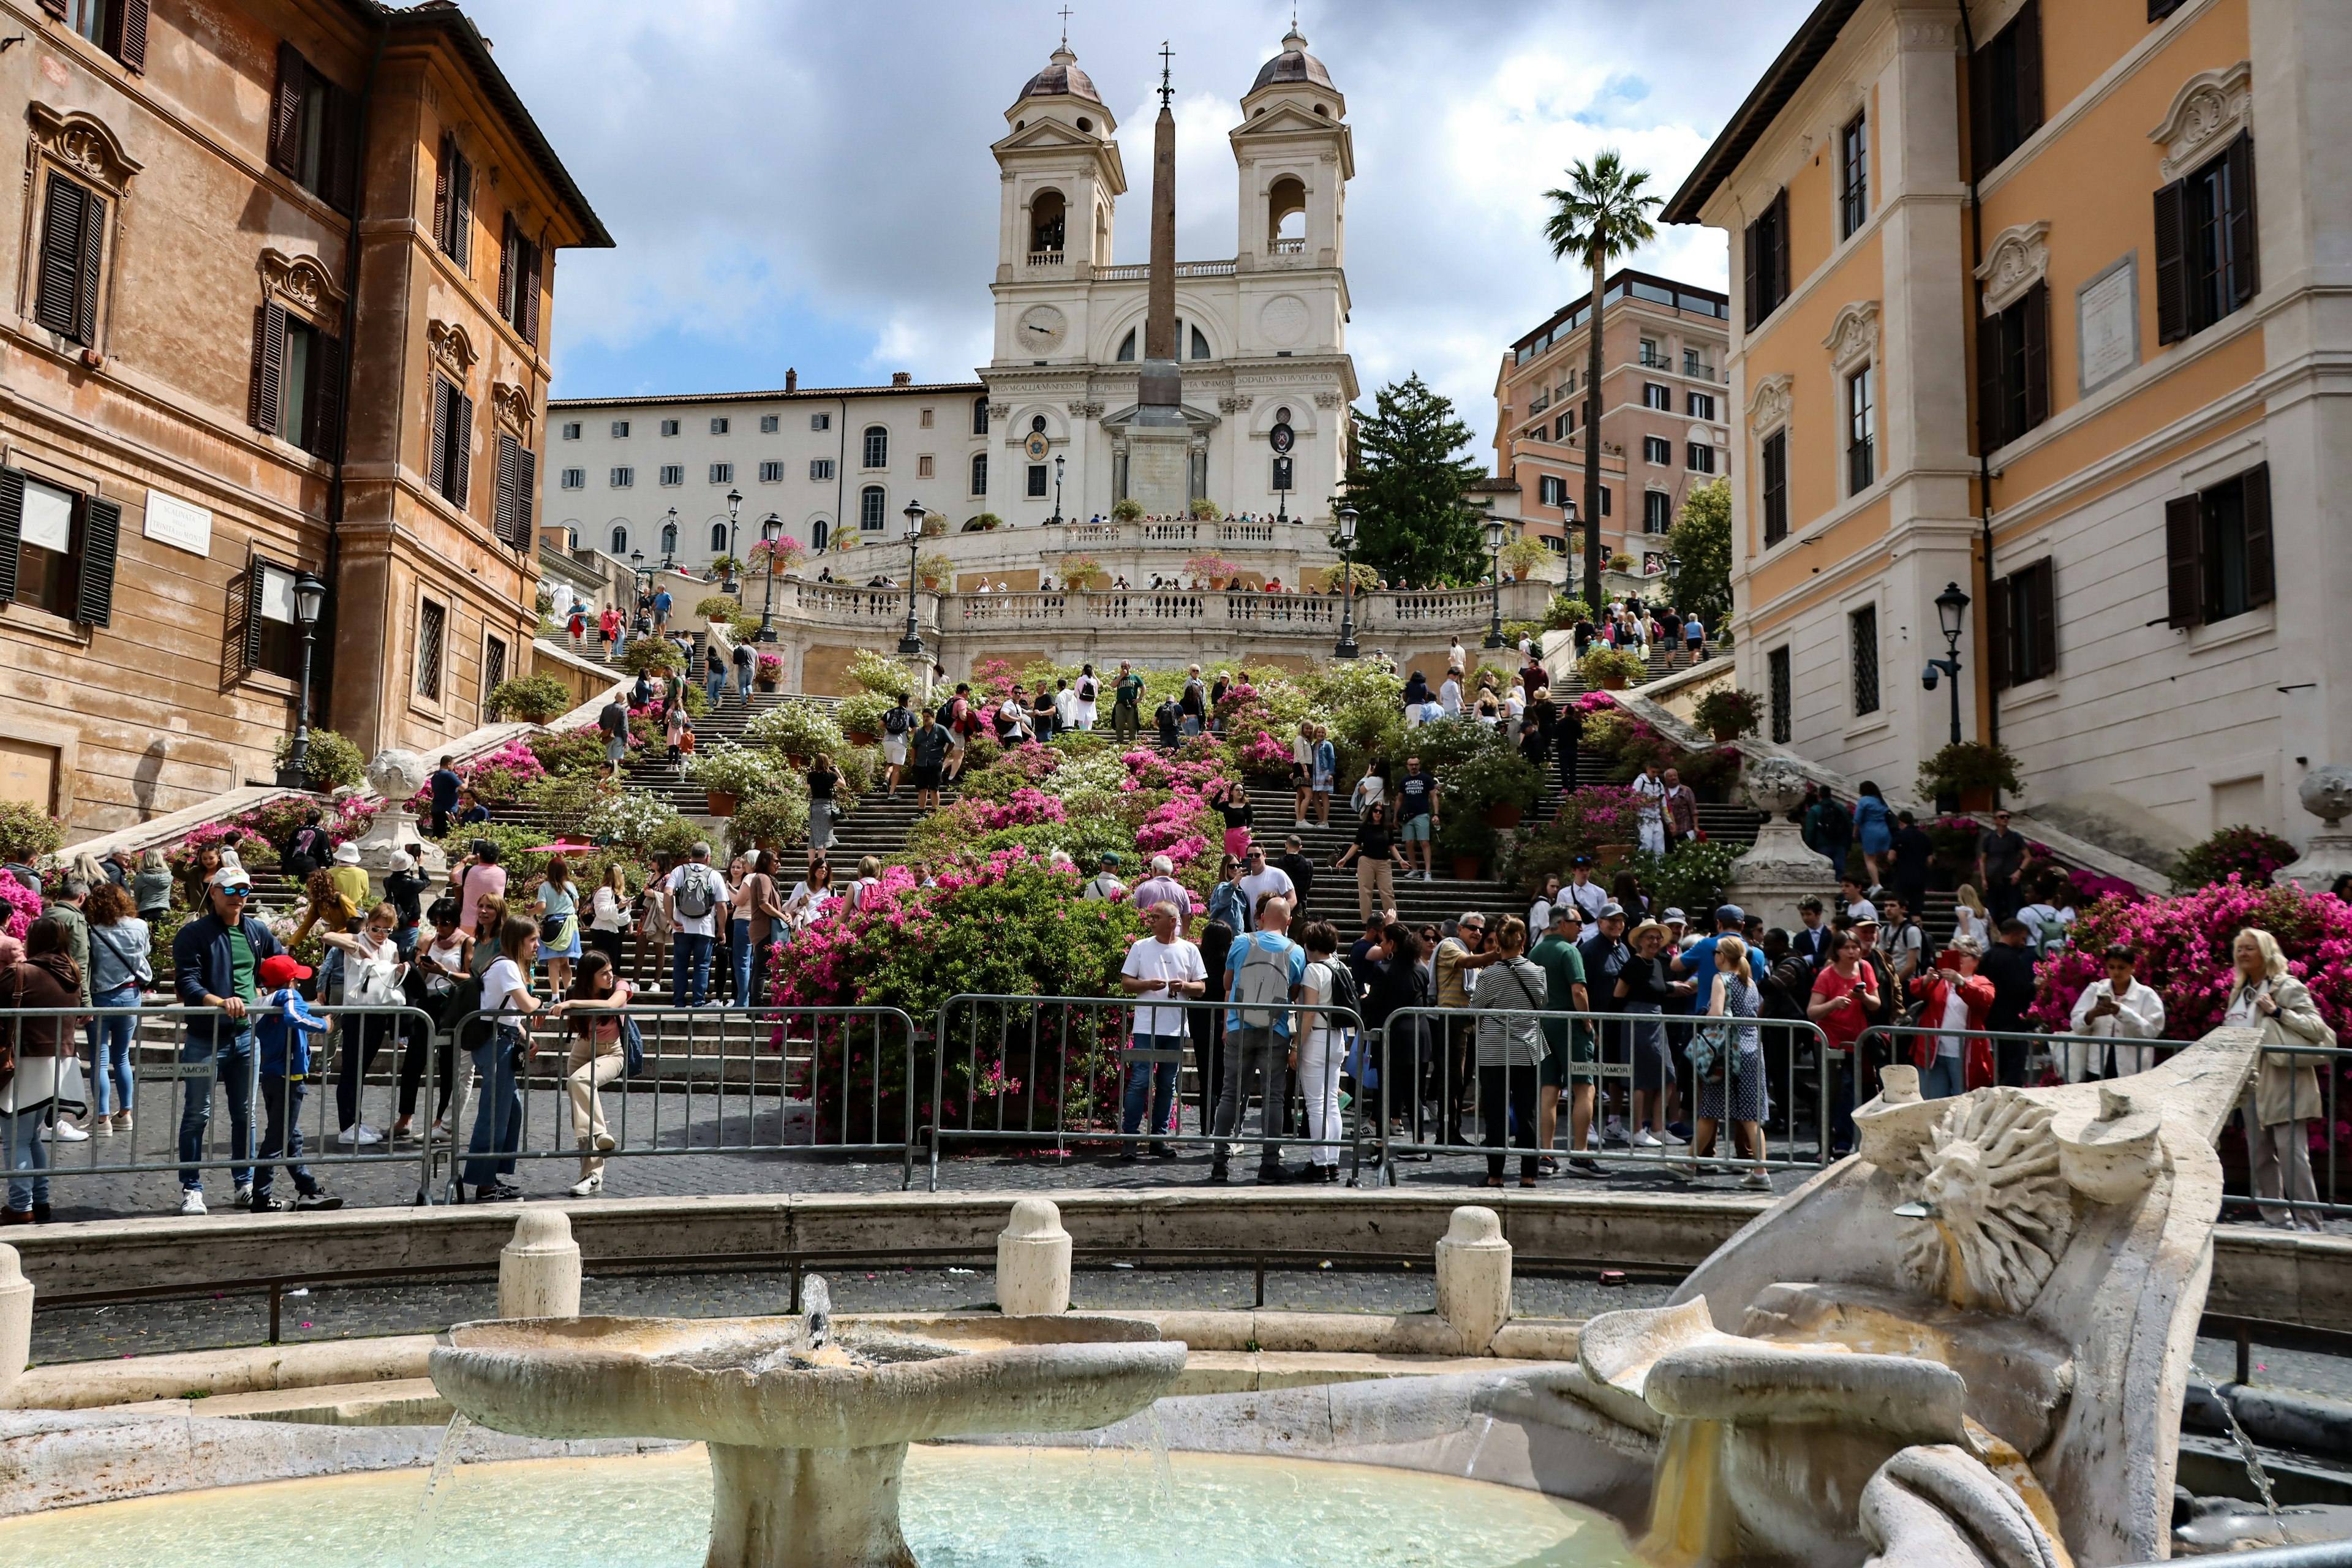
1957, 998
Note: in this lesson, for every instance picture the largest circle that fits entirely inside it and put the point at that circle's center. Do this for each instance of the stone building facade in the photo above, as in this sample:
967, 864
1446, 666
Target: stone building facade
283, 275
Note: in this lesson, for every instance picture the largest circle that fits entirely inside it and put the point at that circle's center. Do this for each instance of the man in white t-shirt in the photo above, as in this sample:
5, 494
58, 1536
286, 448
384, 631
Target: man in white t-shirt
1650, 808
694, 895
1260, 878
1449, 696
1162, 965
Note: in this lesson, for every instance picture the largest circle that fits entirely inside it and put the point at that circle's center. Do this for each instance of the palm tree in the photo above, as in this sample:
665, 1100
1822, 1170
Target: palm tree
1602, 216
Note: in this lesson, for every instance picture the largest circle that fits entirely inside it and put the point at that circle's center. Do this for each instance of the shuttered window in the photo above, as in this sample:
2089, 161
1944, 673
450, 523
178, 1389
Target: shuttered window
2013, 370
2023, 616
118, 26
1657, 512
1773, 466
432, 646
2218, 560
1782, 696
297, 388
58, 549
518, 285
1764, 258
1861, 430
449, 447
1861, 641
272, 634
2005, 88
453, 203
73, 251
1698, 456
771, 473
2206, 256
314, 132
518, 472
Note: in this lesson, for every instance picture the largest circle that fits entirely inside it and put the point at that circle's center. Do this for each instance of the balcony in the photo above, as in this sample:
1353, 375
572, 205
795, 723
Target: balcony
1139, 271
1287, 247
1046, 257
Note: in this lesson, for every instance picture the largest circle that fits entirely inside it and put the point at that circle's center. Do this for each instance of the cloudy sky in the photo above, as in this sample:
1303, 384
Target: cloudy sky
809, 184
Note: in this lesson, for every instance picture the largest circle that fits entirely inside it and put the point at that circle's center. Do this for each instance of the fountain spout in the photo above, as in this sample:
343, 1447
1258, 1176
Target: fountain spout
816, 1307
1918, 1208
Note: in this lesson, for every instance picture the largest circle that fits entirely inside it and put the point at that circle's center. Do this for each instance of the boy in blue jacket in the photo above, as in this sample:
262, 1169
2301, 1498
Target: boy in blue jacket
283, 1024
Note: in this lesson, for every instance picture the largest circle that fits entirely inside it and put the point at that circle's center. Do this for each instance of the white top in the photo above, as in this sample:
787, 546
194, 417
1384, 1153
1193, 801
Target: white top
1968, 922
1863, 910
443, 965
1589, 897
1899, 942
1065, 706
1316, 985
806, 901
2043, 920
707, 924
2241, 1014
499, 982
1302, 750
1653, 793
1956, 1016
2141, 1017
609, 912
1153, 958
1539, 918
1273, 880
1368, 792
1449, 697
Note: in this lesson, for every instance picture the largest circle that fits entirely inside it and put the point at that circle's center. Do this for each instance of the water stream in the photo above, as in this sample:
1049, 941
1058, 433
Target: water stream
438, 1483
2247, 1452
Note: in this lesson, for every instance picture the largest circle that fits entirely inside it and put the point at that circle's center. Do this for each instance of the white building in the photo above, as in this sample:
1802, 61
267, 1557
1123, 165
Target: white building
1262, 335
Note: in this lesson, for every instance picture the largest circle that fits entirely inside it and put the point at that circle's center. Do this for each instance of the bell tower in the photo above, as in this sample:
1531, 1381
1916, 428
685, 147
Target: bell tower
1061, 181
1296, 155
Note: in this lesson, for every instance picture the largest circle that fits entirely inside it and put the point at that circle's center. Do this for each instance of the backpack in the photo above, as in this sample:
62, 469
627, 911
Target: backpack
693, 896
1343, 989
632, 1049
1086, 690
897, 721
1169, 716
1260, 987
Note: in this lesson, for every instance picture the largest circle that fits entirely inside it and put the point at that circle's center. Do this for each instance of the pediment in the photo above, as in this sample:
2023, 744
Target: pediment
1200, 419
1284, 119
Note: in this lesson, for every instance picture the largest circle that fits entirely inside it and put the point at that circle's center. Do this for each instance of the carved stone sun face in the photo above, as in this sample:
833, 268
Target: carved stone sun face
2002, 1211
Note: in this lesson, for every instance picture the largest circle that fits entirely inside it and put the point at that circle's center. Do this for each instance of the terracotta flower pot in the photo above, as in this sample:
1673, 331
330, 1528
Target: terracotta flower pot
1612, 854
720, 803
1613, 683
1518, 573
1504, 817
1723, 735
1976, 798
863, 736
1466, 868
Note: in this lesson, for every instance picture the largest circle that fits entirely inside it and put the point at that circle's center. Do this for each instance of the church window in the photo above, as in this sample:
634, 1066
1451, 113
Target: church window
1126, 346
819, 532
870, 509
1037, 423
1047, 216
1037, 480
980, 416
876, 447
1282, 415
980, 473
719, 539
1085, 124
620, 539
670, 540
1200, 344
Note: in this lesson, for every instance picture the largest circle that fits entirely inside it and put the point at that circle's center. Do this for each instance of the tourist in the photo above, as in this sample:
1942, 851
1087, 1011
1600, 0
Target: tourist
308, 850
285, 1060
1681, 806
471, 812
613, 724
444, 961
1843, 997
558, 911
1085, 697
1913, 852
608, 912
1645, 989
821, 778
1103, 885
216, 958
1567, 1043
811, 894
1811, 942
2285, 1097
868, 876
1302, 768
151, 886
930, 747
692, 895
1066, 707
1258, 878
1162, 965
1395, 1007
1449, 698
1161, 887
498, 1059
2008, 965
349, 880
1321, 1048
2116, 1008
1169, 720
366, 971
1605, 953
1228, 905
1539, 912
1957, 1056
1263, 973
1735, 1090
324, 907
1234, 807
1127, 705
1192, 706
767, 914
599, 1054
2041, 918
1567, 738
1649, 807
40, 973
744, 661
1043, 715
2001, 858
1372, 787
654, 926
444, 784
1695, 637
662, 604
1374, 853
1295, 863
1322, 769
1417, 807
1828, 828
1901, 940
608, 630
477, 876
1510, 1050
1874, 827
714, 675
120, 971
1853, 900
404, 888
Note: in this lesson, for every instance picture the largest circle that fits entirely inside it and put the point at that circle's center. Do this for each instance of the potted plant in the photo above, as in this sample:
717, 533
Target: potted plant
533, 699
768, 671
1565, 612
1082, 572
1203, 510
1215, 568
1620, 562
786, 554
1728, 712
1497, 784
769, 821
1972, 771
796, 731
860, 717
933, 570
1523, 555
27, 832
718, 607
1127, 510
1609, 668
985, 522
729, 772
1467, 841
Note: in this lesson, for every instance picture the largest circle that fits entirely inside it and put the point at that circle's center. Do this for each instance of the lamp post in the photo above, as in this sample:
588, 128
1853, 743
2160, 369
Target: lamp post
771, 528
669, 537
734, 510
911, 645
309, 597
1347, 647
1496, 529
1057, 495
1951, 610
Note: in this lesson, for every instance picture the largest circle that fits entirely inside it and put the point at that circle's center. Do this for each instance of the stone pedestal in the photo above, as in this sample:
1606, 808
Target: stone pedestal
1160, 467
1778, 869
15, 1323
807, 1508
1474, 1277
397, 775
539, 1270
1033, 1262
2326, 793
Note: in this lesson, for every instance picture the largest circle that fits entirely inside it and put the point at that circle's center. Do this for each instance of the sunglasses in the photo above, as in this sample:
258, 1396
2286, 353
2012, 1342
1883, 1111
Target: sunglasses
237, 892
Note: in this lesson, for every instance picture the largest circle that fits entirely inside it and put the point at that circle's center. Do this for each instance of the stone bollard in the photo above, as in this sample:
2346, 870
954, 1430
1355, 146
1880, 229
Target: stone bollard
539, 1270
1033, 1262
15, 1323
1474, 1277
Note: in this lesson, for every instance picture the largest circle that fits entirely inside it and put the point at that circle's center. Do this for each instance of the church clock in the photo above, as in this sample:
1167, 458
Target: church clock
1041, 329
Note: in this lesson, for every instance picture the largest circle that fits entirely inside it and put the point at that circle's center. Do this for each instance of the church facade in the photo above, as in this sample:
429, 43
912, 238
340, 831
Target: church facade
1261, 345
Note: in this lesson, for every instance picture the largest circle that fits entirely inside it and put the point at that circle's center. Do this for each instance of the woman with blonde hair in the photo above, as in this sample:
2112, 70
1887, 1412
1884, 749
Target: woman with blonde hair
1970, 918
2285, 1093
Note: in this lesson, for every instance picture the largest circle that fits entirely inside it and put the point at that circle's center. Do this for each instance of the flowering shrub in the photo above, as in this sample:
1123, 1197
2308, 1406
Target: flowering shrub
495, 779
1587, 819
1022, 767
800, 730
24, 905
1215, 566
2247, 853
1027, 805
572, 751
770, 666
27, 832
993, 678
1262, 753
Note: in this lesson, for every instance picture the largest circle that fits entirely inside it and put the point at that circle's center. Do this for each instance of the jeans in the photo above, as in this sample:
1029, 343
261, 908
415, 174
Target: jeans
233, 1069
716, 687
689, 962
281, 1132
1250, 1052
1943, 1078
1155, 1081
739, 948
26, 1151
1506, 1101
497, 1118
1837, 1074
368, 1033
110, 1077
1192, 726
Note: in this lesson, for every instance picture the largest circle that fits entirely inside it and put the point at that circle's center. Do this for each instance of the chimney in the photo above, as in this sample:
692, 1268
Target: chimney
902, 377
791, 380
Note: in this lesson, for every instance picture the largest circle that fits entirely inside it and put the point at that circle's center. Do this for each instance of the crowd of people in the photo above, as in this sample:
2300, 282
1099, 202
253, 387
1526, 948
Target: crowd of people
1639, 627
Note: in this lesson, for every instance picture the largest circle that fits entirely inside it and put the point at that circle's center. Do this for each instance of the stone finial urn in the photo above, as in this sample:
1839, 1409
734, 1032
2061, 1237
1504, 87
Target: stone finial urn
2326, 793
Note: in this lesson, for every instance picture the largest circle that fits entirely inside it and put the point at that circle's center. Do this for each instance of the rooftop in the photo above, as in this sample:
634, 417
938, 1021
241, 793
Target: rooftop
1294, 64
794, 394
1624, 283
1764, 101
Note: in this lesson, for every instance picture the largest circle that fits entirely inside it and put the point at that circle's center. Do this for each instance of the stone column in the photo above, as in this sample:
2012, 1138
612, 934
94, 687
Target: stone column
1033, 1262
539, 1270
1474, 1277
15, 1323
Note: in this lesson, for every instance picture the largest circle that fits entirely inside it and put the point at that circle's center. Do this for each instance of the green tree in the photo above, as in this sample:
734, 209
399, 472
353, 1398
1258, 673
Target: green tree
1701, 541
1407, 483
1602, 214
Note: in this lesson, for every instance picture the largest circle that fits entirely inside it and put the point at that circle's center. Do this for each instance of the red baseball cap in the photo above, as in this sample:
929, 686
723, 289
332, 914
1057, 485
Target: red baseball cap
279, 969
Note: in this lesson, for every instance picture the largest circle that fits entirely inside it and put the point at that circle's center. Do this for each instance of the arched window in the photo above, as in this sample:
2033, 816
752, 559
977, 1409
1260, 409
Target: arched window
980, 473
1285, 216
670, 538
620, 539
1200, 344
1037, 423
980, 416
870, 509
719, 539
877, 447
819, 532
1127, 345
1046, 213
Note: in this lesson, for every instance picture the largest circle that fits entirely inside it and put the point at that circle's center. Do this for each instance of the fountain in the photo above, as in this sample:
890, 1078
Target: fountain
807, 1427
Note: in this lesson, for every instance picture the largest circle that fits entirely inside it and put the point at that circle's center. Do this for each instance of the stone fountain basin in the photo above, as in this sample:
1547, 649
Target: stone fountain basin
693, 1379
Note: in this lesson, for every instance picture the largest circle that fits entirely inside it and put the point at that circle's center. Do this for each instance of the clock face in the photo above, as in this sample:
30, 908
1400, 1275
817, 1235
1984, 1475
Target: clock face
1041, 327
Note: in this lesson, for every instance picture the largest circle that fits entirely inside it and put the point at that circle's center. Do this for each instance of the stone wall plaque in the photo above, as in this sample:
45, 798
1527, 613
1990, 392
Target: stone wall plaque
181, 524
2106, 326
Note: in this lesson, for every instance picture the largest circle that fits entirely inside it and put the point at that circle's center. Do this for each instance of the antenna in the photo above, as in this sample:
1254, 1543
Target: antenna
1167, 94
1065, 27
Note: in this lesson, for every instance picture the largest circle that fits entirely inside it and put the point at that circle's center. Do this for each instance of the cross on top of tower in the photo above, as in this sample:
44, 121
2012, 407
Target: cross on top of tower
1065, 27
1167, 94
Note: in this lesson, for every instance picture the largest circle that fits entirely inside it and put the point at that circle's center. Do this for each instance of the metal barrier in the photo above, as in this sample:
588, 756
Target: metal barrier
711, 1081
1434, 1051
990, 1051
205, 1047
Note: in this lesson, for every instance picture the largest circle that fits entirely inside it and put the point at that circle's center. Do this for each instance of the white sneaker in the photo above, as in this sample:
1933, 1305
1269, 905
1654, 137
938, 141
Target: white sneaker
1613, 1132
364, 1133
1642, 1140
243, 1197
64, 1132
588, 1186
1671, 1136
191, 1201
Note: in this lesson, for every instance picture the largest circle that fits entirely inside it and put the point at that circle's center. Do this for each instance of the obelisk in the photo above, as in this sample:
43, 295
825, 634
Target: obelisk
1158, 441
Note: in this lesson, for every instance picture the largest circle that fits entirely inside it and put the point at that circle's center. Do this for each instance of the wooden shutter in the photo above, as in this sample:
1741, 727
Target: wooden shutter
503, 507
1749, 275
1997, 633
2184, 588
55, 8
527, 319
2245, 253
461, 445
341, 173
437, 445
92, 262
1990, 405
2028, 29
2042, 604
526, 493
461, 213
507, 269
255, 581
1781, 247
1980, 109
60, 274
2037, 355
268, 391
126, 32
12, 530
441, 168
2171, 263
325, 416
2261, 573
286, 111
101, 538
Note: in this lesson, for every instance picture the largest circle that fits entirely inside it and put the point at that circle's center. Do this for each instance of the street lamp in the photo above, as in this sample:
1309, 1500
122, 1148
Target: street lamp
1347, 648
309, 597
1951, 610
669, 537
911, 645
1057, 490
1496, 529
772, 530
734, 510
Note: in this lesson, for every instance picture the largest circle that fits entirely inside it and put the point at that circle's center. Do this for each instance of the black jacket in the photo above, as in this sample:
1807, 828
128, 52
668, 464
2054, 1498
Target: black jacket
2010, 969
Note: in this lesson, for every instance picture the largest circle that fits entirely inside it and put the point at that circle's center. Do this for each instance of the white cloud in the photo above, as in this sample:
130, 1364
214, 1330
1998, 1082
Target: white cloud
812, 183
